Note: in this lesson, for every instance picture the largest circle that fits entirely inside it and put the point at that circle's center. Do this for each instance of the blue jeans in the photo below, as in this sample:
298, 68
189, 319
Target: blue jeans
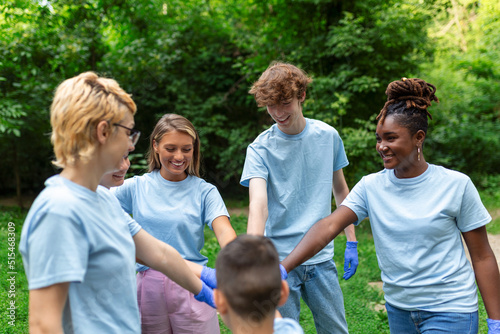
319, 287
409, 322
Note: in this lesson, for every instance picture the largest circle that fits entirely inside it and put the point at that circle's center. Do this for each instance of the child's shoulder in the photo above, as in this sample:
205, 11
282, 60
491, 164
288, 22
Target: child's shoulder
286, 325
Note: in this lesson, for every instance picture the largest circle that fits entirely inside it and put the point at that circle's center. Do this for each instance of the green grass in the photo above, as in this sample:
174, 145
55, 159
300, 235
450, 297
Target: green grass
360, 298
11, 221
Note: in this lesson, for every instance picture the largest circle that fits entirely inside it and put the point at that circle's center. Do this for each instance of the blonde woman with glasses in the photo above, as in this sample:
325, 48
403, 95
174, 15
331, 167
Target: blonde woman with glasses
78, 248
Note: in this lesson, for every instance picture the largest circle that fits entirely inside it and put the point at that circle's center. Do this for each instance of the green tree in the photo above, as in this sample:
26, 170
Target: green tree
466, 123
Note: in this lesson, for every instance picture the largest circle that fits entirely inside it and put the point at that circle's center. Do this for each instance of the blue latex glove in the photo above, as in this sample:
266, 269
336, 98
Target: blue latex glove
208, 276
493, 326
206, 295
350, 259
283, 272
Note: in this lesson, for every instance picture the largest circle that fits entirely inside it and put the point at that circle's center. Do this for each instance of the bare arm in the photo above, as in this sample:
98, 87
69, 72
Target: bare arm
46, 307
486, 270
340, 192
258, 213
223, 230
194, 267
164, 258
319, 236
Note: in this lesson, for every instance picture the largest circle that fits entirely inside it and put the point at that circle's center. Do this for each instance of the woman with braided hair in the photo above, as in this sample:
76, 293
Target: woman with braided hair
418, 213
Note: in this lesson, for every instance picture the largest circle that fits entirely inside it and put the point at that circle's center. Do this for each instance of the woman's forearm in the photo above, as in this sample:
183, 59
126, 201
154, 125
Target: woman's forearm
319, 236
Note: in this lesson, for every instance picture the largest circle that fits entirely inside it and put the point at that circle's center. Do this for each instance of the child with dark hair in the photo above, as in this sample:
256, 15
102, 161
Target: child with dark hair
249, 287
418, 214
292, 169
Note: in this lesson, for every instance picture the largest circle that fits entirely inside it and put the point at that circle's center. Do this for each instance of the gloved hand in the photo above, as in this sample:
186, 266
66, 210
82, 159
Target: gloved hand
493, 326
206, 295
283, 272
208, 276
350, 259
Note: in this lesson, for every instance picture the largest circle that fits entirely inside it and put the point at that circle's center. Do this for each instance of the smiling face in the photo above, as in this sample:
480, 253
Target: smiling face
117, 177
398, 148
175, 152
288, 115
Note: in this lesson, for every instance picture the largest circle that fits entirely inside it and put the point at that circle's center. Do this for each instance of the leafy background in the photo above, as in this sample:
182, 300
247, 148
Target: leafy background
199, 58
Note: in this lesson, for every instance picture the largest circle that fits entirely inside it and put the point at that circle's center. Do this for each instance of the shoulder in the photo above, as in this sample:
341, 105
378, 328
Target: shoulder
137, 181
144, 178
107, 195
444, 172
200, 184
376, 177
321, 130
265, 136
286, 325
316, 123
58, 191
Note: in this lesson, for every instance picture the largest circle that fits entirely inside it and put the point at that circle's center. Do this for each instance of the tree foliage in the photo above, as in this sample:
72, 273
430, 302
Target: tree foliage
199, 58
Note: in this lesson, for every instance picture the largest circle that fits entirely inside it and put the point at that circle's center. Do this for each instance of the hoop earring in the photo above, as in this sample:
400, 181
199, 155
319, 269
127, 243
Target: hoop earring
418, 153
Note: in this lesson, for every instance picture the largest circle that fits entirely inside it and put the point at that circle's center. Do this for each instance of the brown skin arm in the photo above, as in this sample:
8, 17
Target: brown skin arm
319, 236
486, 270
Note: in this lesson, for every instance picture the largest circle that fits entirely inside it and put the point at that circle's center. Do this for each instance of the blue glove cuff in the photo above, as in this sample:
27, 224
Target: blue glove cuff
352, 244
208, 276
283, 272
206, 295
493, 325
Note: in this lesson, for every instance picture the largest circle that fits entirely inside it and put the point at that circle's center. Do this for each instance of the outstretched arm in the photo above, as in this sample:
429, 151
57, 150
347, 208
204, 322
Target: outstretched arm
340, 192
319, 236
258, 213
164, 258
486, 270
223, 230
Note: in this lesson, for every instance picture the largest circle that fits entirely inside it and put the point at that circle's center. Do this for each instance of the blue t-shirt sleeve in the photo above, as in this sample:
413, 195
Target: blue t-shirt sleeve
286, 325
133, 226
124, 194
214, 206
58, 250
472, 214
340, 155
254, 167
356, 201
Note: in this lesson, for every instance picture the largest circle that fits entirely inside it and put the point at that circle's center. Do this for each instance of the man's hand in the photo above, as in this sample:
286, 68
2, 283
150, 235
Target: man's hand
350, 259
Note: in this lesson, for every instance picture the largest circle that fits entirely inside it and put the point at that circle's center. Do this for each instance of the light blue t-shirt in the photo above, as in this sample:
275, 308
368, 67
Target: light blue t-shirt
72, 234
173, 212
286, 326
298, 170
416, 225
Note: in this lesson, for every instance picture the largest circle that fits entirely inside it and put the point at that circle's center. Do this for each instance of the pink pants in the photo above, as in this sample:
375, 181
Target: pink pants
167, 308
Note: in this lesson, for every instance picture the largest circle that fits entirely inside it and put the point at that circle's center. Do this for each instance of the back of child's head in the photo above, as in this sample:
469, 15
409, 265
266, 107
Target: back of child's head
166, 124
79, 104
281, 82
248, 275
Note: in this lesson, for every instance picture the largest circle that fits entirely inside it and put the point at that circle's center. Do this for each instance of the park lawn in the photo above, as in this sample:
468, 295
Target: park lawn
361, 300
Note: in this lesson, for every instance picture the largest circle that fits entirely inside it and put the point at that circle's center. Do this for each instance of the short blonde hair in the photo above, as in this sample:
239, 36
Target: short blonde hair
79, 104
166, 124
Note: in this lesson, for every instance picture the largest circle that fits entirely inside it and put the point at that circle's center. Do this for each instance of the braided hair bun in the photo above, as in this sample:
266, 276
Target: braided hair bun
409, 99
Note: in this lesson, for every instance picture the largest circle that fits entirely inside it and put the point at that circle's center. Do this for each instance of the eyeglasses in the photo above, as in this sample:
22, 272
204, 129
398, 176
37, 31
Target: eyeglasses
134, 133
